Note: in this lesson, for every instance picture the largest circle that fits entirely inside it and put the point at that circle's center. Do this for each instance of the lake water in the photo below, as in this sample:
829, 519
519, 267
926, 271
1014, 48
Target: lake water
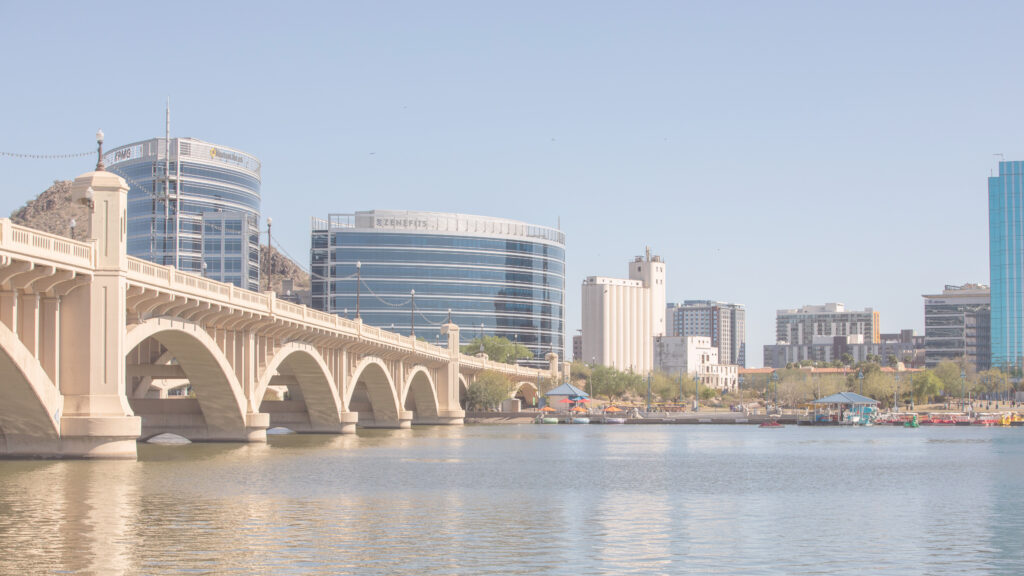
529, 499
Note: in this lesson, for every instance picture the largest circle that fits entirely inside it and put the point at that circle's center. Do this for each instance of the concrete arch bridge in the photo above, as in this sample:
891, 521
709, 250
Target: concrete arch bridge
97, 349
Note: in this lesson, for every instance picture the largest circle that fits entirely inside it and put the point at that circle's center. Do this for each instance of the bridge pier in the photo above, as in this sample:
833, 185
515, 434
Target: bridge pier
348, 422
451, 417
97, 421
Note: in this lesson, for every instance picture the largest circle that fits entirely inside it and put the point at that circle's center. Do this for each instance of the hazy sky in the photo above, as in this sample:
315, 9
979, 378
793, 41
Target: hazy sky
774, 153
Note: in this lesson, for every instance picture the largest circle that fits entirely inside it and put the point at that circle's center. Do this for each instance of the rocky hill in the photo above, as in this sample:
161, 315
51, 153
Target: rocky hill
283, 268
52, 211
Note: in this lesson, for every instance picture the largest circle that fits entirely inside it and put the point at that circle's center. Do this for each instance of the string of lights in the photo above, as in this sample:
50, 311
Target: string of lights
48, 156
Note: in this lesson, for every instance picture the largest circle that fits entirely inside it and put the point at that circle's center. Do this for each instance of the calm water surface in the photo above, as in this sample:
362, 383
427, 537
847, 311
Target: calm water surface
533, 499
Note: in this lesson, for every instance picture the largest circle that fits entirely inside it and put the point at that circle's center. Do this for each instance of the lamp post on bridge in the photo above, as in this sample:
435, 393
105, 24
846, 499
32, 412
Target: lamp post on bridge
359, 281
412, 313
270, 267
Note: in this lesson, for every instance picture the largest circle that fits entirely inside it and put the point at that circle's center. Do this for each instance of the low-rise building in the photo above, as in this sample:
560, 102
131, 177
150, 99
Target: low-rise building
696, 357
828, 349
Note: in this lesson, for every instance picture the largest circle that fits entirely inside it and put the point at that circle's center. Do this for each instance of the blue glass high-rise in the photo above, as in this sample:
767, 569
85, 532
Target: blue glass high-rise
498, 277
1006, 264
193, 205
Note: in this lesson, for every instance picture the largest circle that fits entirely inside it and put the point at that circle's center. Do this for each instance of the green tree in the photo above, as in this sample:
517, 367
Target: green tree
707, 393
668, 389
498, 349
925, 385
580, 371
846, 359
488, 390
948, 372
604, 381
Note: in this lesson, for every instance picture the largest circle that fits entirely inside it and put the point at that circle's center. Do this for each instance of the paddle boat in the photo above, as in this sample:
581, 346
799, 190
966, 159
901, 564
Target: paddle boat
771, 424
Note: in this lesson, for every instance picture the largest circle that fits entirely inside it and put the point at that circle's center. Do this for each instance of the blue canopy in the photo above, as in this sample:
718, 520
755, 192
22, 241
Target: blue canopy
568, 390
846, 398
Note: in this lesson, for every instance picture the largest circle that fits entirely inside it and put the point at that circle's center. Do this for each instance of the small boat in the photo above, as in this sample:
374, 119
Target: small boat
545, 420
614, 420
771, 424
987, 420
580, 420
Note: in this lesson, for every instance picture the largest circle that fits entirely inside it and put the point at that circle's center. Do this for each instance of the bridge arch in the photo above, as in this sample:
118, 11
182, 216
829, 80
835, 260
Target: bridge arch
30, 404
301, 368
526, 392
218, 410
463, 391
421, 396
373, 394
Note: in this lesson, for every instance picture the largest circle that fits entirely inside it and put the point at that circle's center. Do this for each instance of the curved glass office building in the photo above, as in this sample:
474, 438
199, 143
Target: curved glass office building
499, 277
193, 205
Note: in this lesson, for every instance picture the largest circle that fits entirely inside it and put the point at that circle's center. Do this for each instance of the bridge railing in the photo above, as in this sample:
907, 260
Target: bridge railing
45, 246
264, 304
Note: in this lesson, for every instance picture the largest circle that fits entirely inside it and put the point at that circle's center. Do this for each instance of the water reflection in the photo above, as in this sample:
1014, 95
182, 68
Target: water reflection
531, 500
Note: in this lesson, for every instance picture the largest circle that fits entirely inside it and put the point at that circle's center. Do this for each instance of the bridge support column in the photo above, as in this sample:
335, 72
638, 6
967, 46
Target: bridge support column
348, 422
49, 338
97, 421
405, 419
449, 411
9, 309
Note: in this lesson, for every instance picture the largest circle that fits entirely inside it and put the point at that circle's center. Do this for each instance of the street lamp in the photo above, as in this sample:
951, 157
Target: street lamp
270, 267
860, 377
72, 228
775, 393
515, 348
481, 334
696, 390
359, 280
896, 395
962, 403
99, 152
412, 314
739, 385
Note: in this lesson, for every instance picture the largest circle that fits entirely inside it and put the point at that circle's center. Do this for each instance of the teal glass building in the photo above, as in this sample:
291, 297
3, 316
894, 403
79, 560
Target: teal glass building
1006, 264
498, 277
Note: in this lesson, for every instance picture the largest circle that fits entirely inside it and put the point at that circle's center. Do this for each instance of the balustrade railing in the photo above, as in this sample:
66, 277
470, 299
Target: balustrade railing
46, 246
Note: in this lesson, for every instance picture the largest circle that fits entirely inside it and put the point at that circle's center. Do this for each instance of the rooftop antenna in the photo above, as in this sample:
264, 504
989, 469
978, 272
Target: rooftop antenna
167, 155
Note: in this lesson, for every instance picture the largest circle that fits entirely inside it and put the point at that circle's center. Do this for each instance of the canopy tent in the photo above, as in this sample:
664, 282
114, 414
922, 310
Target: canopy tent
846, 399
845, 408
568, 390
567, 395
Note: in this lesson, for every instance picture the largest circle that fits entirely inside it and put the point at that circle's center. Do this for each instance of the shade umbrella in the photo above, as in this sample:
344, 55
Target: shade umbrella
566, 401
612, 409
579, 409
547, 409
